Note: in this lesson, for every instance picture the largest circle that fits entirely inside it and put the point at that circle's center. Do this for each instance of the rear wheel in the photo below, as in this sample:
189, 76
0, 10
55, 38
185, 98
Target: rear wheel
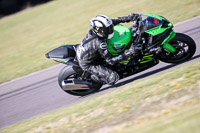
70, 72
185, 49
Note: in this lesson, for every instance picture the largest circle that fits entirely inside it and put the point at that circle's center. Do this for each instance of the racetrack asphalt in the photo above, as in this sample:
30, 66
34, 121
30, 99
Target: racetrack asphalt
38, 93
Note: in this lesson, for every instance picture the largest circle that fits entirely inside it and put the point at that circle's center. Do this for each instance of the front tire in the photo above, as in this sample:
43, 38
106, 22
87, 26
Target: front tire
71, 72
185, 49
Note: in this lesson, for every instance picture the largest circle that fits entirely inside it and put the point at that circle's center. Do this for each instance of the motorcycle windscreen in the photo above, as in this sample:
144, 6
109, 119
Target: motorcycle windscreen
148, 23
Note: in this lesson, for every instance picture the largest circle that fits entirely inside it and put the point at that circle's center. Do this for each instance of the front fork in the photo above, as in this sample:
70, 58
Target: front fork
166, 44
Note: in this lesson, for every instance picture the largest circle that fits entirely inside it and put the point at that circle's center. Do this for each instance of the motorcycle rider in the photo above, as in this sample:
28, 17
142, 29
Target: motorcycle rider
94, 45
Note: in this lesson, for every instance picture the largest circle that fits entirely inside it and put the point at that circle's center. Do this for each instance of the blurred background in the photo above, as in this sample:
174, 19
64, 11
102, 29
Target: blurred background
26, 35
31, 28
8, 7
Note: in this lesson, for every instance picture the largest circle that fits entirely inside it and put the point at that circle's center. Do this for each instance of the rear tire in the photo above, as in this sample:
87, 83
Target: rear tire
185, 49
75, 72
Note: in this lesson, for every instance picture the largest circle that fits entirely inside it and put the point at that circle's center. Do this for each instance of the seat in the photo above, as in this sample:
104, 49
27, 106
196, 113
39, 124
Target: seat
62, 52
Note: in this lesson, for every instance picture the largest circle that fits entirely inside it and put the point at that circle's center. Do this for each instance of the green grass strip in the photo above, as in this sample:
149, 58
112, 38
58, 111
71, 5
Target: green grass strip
165, 103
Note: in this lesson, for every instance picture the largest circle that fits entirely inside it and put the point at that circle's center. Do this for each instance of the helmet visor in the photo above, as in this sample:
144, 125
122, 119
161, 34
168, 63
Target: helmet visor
105, 31
108, 30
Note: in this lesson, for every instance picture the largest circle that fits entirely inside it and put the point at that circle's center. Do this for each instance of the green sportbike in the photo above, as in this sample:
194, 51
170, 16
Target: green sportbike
153, 34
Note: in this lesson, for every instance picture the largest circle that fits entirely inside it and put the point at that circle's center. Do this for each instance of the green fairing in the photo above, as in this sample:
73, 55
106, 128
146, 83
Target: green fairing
121, 38
158, 30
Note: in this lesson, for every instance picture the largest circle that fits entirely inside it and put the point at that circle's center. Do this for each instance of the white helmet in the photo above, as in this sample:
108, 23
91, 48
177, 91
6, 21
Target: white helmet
102, 26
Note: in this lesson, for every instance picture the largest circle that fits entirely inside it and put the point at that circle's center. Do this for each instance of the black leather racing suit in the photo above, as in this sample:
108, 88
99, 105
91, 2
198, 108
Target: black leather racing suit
93, 47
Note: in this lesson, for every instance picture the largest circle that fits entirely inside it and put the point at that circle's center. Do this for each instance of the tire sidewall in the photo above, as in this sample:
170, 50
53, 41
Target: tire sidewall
186, 39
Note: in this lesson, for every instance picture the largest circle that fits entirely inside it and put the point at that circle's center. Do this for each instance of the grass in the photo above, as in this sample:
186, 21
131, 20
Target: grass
26, 36
164, 103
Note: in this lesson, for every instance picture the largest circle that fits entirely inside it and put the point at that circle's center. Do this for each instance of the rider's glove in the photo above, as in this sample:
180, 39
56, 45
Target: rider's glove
134, 16
114, 60
133, 50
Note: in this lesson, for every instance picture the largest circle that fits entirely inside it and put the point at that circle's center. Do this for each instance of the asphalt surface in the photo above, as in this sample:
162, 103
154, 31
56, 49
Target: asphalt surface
38, 93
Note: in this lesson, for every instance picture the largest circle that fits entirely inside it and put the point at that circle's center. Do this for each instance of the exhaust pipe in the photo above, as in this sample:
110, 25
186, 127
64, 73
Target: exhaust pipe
75, 84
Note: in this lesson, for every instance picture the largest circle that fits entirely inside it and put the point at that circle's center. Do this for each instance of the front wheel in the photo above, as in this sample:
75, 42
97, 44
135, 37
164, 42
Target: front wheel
70, 73
185, 49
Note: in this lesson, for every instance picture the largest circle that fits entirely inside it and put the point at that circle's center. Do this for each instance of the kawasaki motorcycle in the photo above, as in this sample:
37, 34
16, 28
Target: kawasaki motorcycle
153, 34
